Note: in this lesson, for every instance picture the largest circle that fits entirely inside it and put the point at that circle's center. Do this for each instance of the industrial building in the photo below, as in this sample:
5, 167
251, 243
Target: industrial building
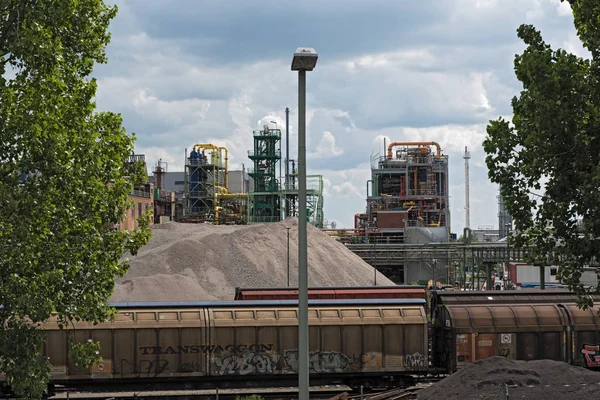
408, 204
141, 195
207, 191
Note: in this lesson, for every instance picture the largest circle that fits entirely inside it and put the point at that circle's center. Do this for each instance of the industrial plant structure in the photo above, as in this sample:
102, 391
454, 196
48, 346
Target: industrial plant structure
409, 189
276, 199
408, 204
202, 193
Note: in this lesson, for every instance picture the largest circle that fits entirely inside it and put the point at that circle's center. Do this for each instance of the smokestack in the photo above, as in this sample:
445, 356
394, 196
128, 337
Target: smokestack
467, 157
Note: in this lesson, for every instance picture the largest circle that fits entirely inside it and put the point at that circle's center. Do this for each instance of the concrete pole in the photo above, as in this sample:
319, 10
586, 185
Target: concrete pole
287, 161
303, 379
287, 149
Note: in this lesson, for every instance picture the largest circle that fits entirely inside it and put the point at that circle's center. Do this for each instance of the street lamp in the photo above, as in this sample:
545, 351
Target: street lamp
508, 229
288, 256
305, 59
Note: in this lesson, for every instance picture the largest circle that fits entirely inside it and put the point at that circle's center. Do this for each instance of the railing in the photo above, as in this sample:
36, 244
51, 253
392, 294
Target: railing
268, 132
262, 220
276, 153
196, 162
140, 193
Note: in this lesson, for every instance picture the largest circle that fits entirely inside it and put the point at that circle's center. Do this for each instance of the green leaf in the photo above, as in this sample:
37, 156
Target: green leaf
553, 143
64, 182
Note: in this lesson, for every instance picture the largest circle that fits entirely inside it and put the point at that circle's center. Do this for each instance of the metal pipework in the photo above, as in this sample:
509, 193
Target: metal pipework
394, 144
210, 146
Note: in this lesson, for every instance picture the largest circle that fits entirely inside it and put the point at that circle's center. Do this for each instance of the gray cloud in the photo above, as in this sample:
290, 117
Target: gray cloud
214, 71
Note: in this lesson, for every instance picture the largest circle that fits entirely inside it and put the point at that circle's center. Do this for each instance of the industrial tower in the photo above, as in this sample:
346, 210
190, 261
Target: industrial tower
266, 205
206, 173
409, 190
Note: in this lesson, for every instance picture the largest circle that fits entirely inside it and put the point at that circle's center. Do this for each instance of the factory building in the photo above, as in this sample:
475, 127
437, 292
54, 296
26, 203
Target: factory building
275, 199
409, 193
206, 191
141, 195
408, 203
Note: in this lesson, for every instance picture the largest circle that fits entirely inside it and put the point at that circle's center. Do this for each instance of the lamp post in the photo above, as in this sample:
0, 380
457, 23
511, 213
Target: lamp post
305, 59
288, 256
508, 229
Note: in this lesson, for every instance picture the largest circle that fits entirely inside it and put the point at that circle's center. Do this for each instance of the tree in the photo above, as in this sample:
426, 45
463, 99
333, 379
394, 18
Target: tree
554, 143
63, 182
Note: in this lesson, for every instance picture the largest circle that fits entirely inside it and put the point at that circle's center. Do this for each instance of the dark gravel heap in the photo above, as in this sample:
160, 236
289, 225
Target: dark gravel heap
540, 379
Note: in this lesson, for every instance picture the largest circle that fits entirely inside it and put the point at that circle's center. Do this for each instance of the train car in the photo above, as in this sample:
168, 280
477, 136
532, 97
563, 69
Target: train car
174, 345
528, 296
464, 333
583, 337
366, 292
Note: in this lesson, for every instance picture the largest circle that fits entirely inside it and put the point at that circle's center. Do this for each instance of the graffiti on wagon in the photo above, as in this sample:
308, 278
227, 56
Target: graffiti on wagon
319, 361
591, 355
204, 349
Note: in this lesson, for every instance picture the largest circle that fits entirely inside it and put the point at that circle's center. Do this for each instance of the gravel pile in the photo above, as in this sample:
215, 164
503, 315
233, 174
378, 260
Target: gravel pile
540, 379
185, 262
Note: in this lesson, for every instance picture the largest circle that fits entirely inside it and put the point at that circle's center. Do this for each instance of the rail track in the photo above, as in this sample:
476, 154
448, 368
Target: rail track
317, 392
394, 394
324, 392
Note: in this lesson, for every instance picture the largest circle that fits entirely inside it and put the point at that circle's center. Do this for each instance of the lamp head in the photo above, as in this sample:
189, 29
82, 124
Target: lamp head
305, 59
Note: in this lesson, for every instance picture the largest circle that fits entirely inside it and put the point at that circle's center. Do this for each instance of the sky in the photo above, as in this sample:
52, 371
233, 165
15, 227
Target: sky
184, 72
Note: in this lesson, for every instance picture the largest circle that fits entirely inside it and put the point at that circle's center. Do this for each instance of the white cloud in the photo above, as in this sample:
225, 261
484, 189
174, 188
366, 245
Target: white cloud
563, 8
412, 58
327, 147
452, 138
174, 111
443, 87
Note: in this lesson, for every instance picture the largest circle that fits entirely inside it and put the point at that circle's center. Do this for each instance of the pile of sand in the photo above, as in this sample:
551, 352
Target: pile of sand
184, 262
493, 377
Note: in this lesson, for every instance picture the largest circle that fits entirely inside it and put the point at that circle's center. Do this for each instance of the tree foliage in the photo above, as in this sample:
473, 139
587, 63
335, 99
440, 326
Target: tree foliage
63, 185
553, 144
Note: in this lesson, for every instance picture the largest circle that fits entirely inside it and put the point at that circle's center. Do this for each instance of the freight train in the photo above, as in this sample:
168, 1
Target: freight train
369, 342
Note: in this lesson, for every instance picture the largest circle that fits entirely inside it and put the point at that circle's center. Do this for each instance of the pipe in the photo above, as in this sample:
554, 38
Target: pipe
394, 144
217, 191
210, 146
226, 166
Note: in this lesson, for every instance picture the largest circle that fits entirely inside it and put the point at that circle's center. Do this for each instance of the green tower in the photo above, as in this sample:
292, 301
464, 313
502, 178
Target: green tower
265, 156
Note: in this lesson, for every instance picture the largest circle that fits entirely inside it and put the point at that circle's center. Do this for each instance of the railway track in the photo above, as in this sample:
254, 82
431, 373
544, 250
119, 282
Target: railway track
394, 394
324, 392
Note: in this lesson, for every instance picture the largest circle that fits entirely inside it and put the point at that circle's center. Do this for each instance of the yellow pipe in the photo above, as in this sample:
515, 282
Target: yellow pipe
210, 146
233, 195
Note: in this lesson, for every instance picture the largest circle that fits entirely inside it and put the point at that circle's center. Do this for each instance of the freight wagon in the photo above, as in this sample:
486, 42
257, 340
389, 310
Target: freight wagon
353, 342
520, 326
176, 345
365, 292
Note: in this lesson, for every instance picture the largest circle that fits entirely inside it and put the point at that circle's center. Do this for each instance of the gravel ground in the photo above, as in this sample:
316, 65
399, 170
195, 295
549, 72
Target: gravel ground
185, 262
540, 379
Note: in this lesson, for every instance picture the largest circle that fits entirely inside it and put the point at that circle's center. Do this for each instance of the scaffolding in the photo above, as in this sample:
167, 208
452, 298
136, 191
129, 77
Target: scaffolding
314, 200
206, 172
266, 204
409, 190
270, 200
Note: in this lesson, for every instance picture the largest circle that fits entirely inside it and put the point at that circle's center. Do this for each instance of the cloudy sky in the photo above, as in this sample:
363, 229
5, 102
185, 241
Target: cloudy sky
185, 71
